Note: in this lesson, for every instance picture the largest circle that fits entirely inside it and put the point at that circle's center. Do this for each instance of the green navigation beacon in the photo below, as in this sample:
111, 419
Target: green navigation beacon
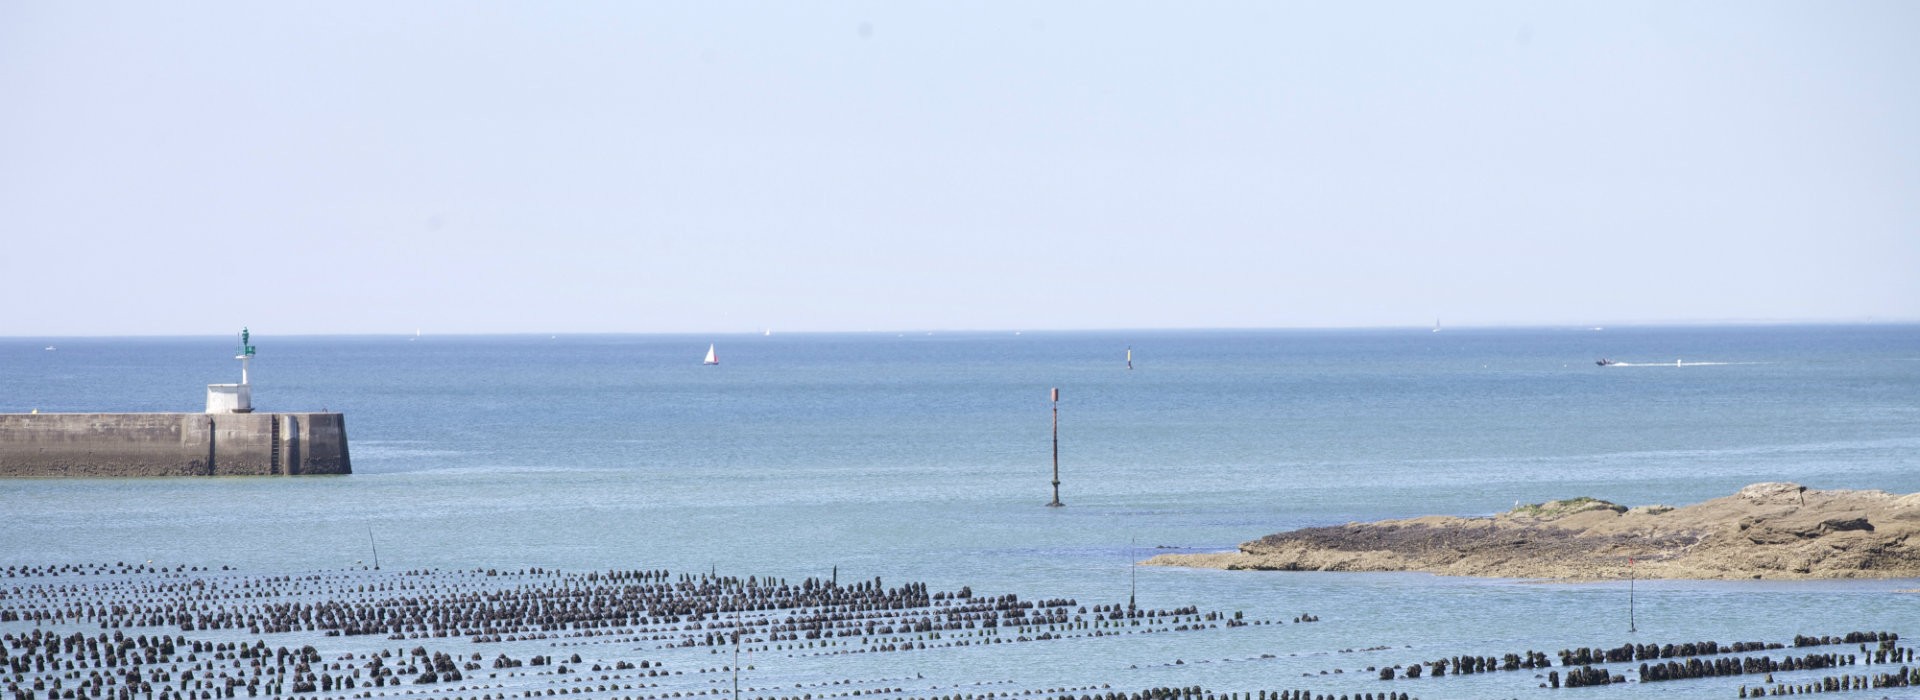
235, 398
245, 357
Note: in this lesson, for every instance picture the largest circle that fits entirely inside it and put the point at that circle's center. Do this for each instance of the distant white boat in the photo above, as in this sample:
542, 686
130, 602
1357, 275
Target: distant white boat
49, 347
1436, 325
712, 359
769, 332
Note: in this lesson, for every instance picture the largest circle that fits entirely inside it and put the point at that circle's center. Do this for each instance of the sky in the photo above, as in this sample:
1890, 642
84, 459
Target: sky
479, 167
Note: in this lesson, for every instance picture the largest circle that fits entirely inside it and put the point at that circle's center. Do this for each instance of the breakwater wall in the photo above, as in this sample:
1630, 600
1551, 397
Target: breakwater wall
172, 444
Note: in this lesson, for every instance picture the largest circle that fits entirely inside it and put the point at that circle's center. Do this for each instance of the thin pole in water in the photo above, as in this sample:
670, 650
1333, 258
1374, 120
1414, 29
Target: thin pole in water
1056, 450
375, 546
736, 654
1630, 625
1133, 572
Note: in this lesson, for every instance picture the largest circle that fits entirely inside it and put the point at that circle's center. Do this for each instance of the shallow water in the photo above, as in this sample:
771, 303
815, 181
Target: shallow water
925, 458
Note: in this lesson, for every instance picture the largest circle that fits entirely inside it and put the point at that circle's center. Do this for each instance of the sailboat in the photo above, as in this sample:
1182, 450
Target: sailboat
712, 359
1436, 325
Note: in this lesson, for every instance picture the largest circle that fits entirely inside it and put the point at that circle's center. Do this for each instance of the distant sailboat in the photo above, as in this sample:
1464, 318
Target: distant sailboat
712, 359
1436, 325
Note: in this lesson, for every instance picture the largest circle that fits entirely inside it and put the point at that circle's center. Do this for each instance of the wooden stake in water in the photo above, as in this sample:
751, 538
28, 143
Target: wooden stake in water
1630, 625
376, 548
1133, 573
736, 654
1056, 450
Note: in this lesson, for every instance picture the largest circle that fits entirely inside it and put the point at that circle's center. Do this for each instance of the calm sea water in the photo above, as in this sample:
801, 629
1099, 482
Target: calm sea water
926, 457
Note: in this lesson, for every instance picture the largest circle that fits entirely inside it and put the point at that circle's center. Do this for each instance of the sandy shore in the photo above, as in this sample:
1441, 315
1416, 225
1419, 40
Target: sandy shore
1765, 531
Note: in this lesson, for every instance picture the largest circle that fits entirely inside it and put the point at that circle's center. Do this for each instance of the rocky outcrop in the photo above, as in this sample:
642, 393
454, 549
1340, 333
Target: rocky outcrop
1770, 530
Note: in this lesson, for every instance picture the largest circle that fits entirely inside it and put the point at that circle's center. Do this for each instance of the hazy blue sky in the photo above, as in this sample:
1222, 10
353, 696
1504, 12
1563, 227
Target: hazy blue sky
187, 168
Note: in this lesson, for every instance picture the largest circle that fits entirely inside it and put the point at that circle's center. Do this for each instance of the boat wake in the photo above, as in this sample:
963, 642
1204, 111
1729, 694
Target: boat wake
1679, 363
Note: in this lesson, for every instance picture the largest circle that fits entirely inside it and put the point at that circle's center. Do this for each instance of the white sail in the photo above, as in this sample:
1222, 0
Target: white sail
712, 359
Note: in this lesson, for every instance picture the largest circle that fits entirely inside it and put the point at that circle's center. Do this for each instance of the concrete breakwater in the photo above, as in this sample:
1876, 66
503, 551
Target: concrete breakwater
172, 444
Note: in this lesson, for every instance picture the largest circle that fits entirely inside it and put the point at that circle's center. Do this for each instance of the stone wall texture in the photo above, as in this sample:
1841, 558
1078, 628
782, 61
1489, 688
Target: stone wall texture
172, 444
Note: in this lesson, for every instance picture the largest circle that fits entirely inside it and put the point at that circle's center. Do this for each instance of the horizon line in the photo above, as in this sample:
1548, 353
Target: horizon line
1722, 323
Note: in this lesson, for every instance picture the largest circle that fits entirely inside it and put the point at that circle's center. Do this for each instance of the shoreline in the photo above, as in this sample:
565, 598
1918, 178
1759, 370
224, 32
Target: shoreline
1766, 531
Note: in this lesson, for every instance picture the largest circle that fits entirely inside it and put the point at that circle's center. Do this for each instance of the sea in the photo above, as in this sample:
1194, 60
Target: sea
928, 457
